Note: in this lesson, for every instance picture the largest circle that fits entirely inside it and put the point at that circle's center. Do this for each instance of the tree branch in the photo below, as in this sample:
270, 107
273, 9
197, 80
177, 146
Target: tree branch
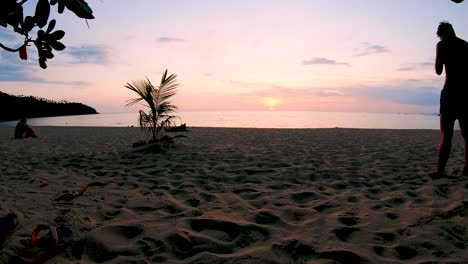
11, 49
22, 2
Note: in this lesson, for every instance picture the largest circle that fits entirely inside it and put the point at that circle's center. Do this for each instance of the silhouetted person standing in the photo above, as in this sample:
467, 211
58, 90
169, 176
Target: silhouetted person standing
452, 54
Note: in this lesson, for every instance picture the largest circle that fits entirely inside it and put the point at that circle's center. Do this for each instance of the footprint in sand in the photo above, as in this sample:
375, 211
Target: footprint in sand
343, 233
233, 234
353, 199
392, 216
385, 237
393, 202
110, 210
304, 197
297, 215
379, 250
343, 256
153, 249
193, 202
324, 206
207, 197
248, 193
267, 218
128, 185
109, 242
405, 252
349, 220
295, 250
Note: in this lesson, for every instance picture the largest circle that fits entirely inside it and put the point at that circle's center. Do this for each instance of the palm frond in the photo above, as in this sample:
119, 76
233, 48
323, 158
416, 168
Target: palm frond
143, 89
166, 107
167, 87
144, 120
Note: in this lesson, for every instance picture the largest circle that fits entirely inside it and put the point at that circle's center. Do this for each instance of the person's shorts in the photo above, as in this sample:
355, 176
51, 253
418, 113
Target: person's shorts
454, 105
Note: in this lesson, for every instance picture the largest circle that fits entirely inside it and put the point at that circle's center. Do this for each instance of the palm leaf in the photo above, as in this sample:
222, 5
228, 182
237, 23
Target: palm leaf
143, 90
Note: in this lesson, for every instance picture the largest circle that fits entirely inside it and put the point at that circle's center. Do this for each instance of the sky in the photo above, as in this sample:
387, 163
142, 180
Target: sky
295, 55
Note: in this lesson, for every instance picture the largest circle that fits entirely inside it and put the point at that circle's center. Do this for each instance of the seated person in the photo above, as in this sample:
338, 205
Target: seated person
23, 130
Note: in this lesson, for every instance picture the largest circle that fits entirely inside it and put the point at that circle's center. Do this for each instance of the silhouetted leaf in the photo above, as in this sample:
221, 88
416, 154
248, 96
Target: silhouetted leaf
3, 24
28, 23
61, 7
57, 35
53, 2
42, 62
85, 6
56, 45
51, 26
11, 13
80, 8
42, 13
40, 34
48, 54
19, 30
37, 44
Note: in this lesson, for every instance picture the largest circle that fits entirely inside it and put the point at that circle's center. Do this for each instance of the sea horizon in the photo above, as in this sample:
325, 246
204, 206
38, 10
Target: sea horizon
253, 119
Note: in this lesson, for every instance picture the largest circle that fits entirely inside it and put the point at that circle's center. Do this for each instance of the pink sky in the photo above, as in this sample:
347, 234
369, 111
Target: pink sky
324, 55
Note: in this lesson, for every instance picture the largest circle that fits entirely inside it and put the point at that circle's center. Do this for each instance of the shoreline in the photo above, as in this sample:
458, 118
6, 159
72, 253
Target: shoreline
239, 195
258, 119
246, 128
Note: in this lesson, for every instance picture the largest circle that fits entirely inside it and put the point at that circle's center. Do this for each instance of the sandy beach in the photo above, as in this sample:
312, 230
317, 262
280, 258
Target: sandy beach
224, 195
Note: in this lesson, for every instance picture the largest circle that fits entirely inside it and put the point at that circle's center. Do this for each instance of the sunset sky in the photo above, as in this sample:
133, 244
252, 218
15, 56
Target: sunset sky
321, 55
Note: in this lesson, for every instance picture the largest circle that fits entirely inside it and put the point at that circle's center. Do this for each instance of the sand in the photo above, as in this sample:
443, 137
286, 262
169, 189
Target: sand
239, 196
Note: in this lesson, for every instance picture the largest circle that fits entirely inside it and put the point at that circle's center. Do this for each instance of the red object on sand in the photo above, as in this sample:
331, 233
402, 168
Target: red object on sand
45, 246
23, 53
44, 184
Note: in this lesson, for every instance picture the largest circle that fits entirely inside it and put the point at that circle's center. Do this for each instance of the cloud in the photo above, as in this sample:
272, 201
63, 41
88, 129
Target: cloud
246, 83
88, 54
424, 95
421, 96
15, 73
295, 92
72, 83
328, 93
15, 70
324, 61
406, 68
170, 39
10, 38
369, 49
426, 64
415, 66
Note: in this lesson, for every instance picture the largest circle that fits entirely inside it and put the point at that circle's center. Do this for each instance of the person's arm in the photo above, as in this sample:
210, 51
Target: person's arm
439, 65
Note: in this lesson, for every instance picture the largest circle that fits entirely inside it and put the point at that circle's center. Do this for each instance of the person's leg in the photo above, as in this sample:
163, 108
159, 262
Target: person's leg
445, 147
464, 131
31, 133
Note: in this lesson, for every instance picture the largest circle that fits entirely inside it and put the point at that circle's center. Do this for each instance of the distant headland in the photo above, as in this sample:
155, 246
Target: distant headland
15, 107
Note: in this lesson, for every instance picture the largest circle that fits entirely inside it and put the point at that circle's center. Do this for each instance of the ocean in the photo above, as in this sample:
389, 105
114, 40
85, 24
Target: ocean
254, 119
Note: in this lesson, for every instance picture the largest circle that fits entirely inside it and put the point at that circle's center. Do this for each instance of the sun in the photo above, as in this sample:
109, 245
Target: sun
271, 102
